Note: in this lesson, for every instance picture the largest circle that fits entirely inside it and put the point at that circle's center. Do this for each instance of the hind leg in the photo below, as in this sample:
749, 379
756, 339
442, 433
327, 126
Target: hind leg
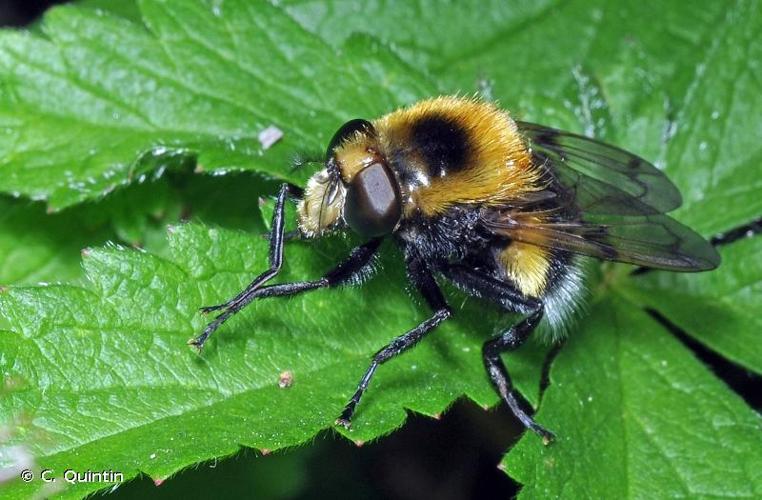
508, 341
505, 294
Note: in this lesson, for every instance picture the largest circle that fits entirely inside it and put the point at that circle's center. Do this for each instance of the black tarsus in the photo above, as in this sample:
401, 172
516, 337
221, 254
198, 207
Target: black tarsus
750, 229
258, 293
507, 341
420, 275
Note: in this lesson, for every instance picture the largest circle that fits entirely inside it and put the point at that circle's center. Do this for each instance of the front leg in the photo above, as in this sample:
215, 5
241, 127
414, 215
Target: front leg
348, 271
420, 275
276, 250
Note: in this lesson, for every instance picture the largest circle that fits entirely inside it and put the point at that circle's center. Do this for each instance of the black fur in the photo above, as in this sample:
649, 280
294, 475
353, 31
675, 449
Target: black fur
442, 143
451, 237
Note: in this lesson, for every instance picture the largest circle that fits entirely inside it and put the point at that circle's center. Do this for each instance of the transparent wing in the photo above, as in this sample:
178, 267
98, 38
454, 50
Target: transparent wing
600, 178
603, 202
656, 241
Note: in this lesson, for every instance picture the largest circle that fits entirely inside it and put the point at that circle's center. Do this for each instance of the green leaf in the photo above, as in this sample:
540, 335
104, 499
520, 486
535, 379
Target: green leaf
420, 30
97, 376
721, 309
99, 101
36, 246
128, 9
639, 417
100, 376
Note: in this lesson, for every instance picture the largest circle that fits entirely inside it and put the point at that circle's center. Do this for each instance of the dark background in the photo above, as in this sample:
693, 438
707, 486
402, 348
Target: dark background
452, 458
21, 12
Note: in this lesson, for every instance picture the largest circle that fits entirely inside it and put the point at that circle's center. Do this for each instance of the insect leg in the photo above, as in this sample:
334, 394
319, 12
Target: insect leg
345, 272
509, 341
276, 249
488, 287
505, 294
422, 278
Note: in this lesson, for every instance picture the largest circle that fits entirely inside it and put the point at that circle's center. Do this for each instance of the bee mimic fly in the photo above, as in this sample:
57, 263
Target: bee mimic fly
504, 210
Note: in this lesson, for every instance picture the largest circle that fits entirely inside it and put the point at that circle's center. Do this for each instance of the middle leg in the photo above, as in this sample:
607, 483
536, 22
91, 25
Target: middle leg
421, 276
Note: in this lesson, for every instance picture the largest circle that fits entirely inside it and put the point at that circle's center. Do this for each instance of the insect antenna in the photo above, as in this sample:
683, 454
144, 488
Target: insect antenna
300, 160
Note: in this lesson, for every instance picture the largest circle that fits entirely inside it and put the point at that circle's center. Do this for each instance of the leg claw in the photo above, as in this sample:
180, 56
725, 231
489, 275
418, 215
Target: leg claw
547, 436
345, 423
208, 309
195, 342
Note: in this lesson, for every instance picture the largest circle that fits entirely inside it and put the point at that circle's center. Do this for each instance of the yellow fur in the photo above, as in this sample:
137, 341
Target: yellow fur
527, 266
354, 155
500, 168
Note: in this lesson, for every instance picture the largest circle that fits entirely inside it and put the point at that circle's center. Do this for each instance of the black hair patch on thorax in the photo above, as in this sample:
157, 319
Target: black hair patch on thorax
442, 143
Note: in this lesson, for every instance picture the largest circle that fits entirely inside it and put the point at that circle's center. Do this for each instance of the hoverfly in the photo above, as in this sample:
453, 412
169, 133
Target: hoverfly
504, 210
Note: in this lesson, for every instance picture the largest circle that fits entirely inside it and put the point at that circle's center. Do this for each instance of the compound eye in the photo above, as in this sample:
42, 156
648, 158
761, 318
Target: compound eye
348, 130
373, 205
